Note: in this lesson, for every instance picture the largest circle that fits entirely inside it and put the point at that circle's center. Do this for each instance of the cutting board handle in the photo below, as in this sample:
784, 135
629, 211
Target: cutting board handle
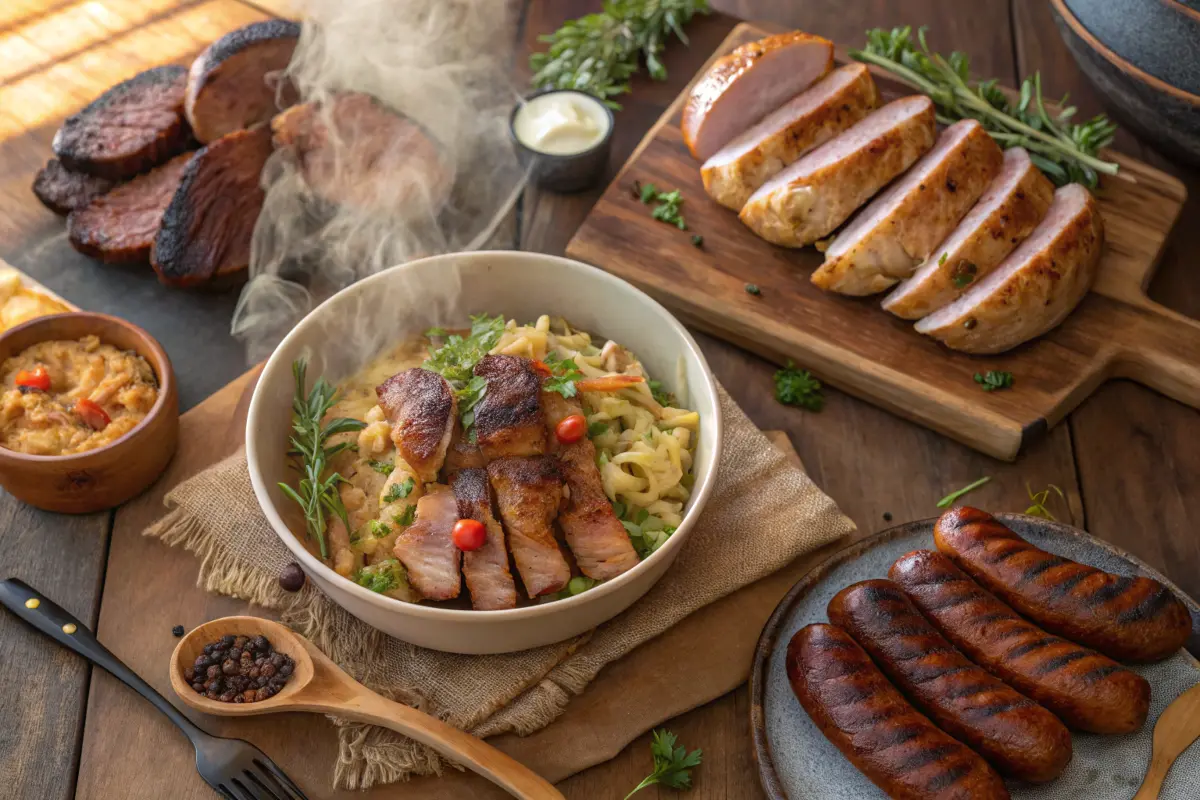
1159, 348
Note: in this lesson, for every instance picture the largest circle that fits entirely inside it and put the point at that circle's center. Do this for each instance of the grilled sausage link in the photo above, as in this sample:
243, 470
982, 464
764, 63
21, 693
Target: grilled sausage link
888, 740
1086, 690
1014, 734
1128, 619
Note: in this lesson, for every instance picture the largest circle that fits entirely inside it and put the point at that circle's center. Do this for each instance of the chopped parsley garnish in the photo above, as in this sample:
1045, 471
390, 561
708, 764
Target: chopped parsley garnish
405, 517
432, 332
663, 398
597, 428
964, 274
672, 765
942, 260
752, 288
797, 387
697, 241
668, 208
456, 359
378, 529
382, 577
563, 375
399, 491
469, 397
382, 467
993, 381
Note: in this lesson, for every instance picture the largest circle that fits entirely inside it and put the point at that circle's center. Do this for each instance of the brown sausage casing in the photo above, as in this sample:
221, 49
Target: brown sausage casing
1014, 734
867, 718
1126, 618
1086, 690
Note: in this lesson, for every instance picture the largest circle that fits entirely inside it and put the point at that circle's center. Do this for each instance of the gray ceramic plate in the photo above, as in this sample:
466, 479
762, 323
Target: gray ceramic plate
796, 762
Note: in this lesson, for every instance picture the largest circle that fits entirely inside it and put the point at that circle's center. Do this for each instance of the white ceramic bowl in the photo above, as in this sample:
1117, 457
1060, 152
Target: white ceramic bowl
360, 322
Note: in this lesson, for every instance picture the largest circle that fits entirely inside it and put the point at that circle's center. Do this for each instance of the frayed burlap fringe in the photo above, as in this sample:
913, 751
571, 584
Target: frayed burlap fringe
736, 542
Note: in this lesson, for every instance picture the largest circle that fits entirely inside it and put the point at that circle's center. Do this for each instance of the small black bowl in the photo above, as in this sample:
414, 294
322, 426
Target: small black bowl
564, 173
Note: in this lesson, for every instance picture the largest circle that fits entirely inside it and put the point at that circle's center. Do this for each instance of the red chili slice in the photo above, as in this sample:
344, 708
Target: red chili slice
36, 378
92, 414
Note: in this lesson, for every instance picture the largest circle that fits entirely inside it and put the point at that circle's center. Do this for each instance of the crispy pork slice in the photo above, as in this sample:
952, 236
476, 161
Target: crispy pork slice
207, 227
63, 190
1009, 210
749, 83
135, 125
528, 493
119, 227
509, 420
462, 453
899, 229
422, 410
485, 569
230, 86
807, 200
426, 548
808, 120
1033, 289
596, 537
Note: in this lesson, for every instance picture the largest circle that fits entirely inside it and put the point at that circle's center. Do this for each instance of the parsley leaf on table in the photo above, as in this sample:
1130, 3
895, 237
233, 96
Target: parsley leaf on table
672, 765
797, 387
993, 381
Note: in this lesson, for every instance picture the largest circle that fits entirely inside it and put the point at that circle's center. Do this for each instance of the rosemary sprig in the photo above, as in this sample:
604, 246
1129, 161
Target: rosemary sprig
1065, 151
598, 53
317, 492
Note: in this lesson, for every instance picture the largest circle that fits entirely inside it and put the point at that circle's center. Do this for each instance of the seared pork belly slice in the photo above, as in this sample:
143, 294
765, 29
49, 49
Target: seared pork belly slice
63, 190
485, 569
426, 548
462, 453
1033, 289
528, 493
1009, 210
207, 227
596, 537
509, 420
807, 200
230, 85
808, 120
119, 227
354, 151
899, 229
134, 126
421, 408
749, 83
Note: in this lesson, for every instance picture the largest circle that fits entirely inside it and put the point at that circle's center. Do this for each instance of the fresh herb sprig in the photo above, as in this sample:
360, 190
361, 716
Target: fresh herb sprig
949, 499
317, 492
563, 375
1039, 500
455, 361
672, 765
669, 204
1064, 150
798, 387
993, 380
599, 53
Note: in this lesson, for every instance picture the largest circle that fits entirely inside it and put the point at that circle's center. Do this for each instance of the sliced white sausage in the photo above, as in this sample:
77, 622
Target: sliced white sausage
808, 120
807, 200
1009, 210
1033, 289
901, 227
749, 83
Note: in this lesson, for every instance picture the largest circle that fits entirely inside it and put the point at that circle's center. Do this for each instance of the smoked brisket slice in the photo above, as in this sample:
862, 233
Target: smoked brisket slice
119, 227
62, 190
134, 126
207, 227
231, 84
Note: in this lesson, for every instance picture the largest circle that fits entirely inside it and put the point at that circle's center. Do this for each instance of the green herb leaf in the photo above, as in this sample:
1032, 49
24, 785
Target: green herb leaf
580, 584
432, 332
619, 509
661, 396
382, 577
378, 529
797, 387
949, 499
597, 429
1038, 501
697, 241
752, 288
669, 207
457, 357
942, 260
649, 192
672, 765
964, 274
382, 467
405, 517
399, 491
563, 375
993, 381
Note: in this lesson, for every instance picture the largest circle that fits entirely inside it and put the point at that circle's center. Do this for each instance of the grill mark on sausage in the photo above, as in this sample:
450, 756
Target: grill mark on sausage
936, 580
1005, 556
881, 716
1012, 633
1064, 586
939, 672
1100, 673
844, 694
1058, 662
947, 777
995, 616
889, 738
922, 653
1148, 608
1029, 647
877, 593
998, 707
822, 642
1049, 563
968, 690
926, 756
1109, 591
952, 602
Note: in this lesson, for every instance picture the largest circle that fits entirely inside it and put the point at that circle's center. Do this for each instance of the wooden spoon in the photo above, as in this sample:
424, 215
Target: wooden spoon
317, 684
1174, 732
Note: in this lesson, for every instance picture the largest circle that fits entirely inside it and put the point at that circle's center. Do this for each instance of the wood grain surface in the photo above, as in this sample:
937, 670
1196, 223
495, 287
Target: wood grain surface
1127, 460
852, 343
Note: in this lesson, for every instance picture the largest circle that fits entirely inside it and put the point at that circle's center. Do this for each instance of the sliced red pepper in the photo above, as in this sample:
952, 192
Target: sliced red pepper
608, 383
37, 378
92, 414
541, 368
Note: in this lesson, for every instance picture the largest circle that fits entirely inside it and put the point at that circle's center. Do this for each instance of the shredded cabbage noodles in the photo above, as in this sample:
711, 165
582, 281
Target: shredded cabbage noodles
644, 439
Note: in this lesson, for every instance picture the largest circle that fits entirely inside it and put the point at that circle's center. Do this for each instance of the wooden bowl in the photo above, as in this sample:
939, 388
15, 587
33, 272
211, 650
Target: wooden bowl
109, 475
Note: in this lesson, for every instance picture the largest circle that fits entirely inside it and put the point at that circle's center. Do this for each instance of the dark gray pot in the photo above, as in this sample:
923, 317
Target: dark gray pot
1144, 56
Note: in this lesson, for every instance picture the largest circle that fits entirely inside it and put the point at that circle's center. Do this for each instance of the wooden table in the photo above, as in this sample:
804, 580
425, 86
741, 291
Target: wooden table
1127, 461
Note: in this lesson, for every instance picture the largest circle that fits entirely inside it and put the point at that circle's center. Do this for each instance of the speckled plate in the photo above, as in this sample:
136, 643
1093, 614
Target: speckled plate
796, 762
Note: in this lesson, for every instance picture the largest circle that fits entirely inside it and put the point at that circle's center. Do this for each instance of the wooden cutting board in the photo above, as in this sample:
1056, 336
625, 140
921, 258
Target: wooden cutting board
1117, 331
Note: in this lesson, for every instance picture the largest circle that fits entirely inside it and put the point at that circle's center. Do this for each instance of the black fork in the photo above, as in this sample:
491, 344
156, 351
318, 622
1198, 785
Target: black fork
236, 769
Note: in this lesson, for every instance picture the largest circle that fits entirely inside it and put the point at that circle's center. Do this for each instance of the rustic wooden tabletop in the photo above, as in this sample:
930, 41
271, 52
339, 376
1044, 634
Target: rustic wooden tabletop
1127, 460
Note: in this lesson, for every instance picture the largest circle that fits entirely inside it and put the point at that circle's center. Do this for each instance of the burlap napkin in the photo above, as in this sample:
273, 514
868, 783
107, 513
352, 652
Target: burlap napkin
762, 514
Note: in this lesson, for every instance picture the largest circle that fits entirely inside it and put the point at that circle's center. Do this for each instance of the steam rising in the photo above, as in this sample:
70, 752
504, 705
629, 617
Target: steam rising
445, 65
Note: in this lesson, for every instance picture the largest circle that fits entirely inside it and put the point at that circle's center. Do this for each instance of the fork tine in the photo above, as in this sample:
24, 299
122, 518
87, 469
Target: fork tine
228, 795
268, 792
269, 767
242, 792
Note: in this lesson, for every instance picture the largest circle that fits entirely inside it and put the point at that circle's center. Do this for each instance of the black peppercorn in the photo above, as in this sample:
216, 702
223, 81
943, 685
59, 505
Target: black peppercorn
291, 578
177, 631
887, 516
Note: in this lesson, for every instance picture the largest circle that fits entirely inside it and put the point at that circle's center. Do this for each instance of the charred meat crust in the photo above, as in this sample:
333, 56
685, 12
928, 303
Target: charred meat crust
509, 420
528, 493
207, 227
235, 42
134, 126
63, 190
473, 494
119, 227
421, 407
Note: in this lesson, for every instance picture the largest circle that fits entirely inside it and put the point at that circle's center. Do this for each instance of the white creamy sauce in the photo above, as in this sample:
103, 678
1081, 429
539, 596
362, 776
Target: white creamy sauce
561, 123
